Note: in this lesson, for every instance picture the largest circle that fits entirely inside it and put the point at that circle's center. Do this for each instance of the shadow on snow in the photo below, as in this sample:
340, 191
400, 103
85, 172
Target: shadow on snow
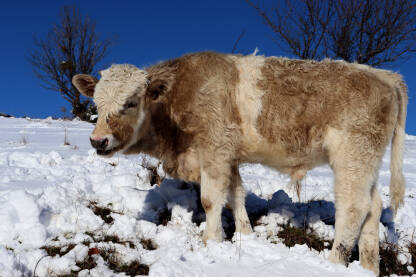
160, 200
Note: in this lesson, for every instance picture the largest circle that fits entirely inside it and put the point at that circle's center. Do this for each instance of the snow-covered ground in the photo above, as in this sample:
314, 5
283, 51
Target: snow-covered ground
50, 179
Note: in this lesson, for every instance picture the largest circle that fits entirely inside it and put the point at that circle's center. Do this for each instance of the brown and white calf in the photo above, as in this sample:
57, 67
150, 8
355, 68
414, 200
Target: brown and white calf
205, 113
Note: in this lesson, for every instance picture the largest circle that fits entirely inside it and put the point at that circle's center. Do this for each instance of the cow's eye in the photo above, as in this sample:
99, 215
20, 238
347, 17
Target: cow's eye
131, 105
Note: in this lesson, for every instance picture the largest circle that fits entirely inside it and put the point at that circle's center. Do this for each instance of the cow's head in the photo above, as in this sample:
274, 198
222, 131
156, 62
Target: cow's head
121, 97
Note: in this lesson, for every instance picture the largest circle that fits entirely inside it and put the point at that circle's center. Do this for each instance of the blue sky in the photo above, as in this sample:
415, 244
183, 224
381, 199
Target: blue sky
146, 31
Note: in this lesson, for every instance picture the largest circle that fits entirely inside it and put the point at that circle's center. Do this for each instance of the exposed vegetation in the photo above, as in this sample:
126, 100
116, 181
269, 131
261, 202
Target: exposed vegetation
164, 217
389, 252
103, 212
132, 268
292, 235
53, 250
389, 261
109, 255
148, 244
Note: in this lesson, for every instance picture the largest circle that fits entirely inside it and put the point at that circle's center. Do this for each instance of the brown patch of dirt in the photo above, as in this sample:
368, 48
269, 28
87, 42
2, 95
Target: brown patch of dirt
292, 235
131, 269
52, 250
103, 212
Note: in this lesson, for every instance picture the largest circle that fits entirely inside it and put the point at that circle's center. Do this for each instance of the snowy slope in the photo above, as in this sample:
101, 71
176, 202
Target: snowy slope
46, 191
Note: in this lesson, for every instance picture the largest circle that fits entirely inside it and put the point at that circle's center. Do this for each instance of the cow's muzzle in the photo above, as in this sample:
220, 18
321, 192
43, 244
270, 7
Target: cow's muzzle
101, 145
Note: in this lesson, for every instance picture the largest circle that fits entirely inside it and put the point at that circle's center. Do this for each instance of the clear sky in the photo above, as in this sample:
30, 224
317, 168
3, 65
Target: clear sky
146, 31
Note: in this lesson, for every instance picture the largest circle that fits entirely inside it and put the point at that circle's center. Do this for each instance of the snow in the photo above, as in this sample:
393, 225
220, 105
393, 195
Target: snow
46, 191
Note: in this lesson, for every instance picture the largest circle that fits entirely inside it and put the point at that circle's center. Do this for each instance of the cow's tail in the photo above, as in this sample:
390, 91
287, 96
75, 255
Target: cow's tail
397, 181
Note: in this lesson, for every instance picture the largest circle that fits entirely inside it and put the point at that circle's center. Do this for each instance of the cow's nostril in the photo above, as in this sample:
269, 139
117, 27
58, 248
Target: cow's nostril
99, 144
104, 143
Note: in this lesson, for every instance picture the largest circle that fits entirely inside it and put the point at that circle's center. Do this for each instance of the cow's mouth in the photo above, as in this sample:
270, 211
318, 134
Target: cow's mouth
105, 152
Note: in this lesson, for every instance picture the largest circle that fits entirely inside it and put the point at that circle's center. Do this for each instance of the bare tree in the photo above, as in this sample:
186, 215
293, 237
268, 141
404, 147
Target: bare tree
374, 32
71, 47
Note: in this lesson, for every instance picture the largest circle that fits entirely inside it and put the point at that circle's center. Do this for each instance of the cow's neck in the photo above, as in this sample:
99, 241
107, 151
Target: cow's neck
164, 141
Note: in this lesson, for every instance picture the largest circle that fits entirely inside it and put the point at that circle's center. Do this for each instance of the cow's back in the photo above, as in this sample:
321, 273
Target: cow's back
288, 106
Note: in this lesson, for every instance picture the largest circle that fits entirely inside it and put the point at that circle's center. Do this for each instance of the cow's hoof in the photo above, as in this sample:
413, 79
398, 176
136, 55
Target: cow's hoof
244, 228
337, 258
372, 267
370, 261
217, 236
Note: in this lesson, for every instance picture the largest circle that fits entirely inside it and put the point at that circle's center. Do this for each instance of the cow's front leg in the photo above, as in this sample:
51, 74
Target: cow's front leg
215, 181
236, 200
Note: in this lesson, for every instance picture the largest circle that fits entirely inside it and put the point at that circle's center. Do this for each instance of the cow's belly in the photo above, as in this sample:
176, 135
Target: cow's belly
283, 158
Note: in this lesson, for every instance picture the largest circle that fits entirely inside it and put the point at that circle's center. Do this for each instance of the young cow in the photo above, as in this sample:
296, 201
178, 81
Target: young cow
205, 113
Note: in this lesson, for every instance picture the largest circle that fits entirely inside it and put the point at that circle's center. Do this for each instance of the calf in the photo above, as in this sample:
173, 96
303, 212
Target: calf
205, 113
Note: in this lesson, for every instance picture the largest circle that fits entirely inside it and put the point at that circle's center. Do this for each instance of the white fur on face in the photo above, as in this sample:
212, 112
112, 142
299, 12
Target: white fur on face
117, 84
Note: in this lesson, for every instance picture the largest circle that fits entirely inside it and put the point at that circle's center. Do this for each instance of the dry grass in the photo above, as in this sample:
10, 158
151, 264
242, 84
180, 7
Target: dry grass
389, 262
412, 251
52, 250
148, 244
23, 139
132, 268
109, 254
107, 238
389, 252
116, 239
103, 212
154, 178
66, 141
289, 235
113, 164
293, 235
87, 263
164, 217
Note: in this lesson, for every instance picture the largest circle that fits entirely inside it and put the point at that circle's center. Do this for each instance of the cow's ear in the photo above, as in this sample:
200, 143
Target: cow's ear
157, 89
85, 84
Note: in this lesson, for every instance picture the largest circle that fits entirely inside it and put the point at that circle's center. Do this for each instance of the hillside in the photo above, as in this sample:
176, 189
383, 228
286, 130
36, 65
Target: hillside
64, 210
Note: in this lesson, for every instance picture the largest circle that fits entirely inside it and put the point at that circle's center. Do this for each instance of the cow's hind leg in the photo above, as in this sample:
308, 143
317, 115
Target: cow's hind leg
355, 163
237, 203
352, 204
368, 243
